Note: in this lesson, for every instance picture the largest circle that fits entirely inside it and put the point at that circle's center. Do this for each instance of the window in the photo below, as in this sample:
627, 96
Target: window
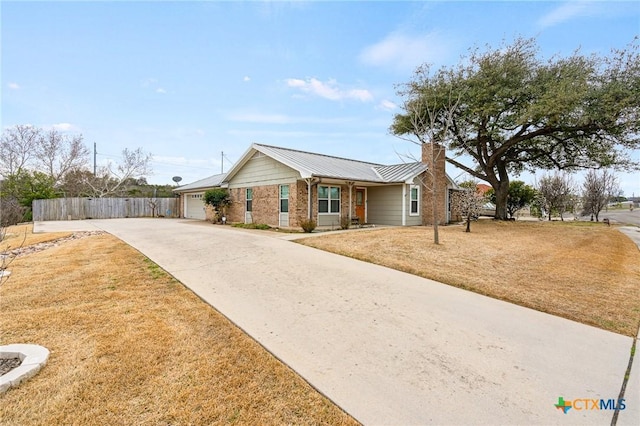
414, 191
284, 198
328, 199
249, 204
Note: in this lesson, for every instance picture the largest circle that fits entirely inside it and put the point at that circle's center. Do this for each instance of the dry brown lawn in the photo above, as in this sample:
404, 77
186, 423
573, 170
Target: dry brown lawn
130, 345
20, 235
582, 271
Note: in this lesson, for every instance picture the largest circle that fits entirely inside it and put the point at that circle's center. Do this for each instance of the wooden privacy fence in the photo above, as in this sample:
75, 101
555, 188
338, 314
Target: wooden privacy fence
103, 208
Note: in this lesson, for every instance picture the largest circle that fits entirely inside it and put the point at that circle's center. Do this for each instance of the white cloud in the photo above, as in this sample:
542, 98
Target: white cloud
386, 105
329, 89
147, 82
14, 86
404, 52
568, 11
260, 118
64, 127
246, 78
360, 94
181, 161
152, 84
262, 134
250, 117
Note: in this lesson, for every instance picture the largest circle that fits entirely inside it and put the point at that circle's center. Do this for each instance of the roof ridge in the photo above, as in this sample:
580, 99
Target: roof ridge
318, 154
401, 164
377, 172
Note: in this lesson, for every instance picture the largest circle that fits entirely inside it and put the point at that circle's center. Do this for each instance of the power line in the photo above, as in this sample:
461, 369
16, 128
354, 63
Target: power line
188, 166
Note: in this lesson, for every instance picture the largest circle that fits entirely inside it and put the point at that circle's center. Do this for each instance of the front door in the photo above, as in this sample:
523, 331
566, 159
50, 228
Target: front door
360, 206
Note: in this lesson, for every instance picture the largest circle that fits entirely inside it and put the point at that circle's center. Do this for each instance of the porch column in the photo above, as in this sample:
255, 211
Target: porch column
350, 186
309, 183
404, 204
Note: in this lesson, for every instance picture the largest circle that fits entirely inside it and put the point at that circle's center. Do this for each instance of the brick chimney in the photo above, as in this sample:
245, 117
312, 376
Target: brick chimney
436, 167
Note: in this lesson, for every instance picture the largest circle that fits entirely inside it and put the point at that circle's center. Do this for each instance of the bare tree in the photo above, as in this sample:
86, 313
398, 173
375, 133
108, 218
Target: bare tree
74, 183
18, 148
598, 189
58, 154
114, 178
468, 202
11, 213
26, 147
153, 203
428, 123
556, 193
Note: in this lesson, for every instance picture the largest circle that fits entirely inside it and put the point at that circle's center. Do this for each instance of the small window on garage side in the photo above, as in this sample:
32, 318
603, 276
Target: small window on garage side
249, 204
284, 198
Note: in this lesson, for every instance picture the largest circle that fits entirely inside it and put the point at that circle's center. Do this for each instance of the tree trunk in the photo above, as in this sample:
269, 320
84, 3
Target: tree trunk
501, 190
436, 235
434, 192
468, 224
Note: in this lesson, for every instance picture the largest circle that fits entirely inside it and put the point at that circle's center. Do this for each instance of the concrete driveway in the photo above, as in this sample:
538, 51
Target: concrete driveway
625, 217
388, 347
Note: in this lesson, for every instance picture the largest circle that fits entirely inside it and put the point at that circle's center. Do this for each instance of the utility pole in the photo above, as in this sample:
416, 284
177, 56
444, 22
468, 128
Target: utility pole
94, 158
222, 162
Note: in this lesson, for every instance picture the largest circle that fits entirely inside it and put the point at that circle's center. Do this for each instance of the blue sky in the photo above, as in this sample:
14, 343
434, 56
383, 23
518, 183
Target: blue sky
189, 80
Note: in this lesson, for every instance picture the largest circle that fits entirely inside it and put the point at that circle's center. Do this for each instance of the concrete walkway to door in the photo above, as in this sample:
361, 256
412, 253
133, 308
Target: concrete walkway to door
388, 347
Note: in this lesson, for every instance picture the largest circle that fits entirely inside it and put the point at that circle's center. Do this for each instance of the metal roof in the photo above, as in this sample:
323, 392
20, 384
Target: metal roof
401, 172
209, 182
310, 165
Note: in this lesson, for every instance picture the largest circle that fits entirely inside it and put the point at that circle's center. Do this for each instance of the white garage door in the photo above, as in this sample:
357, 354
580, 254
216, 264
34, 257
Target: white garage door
195, 207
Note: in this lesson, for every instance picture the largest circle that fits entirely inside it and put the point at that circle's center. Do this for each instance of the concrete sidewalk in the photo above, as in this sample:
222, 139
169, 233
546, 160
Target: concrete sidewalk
388, 347
633, 232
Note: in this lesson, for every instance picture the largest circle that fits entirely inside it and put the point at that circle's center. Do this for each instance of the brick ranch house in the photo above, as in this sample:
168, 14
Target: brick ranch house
280, 186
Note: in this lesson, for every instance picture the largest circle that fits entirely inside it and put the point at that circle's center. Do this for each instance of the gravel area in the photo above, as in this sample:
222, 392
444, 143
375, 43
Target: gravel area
8, 364
22, 251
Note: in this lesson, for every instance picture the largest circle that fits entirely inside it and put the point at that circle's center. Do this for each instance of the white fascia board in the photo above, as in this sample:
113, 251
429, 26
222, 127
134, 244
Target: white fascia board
239, 164
304, 174
411, 177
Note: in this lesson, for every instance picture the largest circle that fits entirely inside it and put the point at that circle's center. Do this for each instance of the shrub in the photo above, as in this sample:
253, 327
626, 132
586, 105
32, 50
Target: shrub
219, 199
11, 212
308, 225
345, 222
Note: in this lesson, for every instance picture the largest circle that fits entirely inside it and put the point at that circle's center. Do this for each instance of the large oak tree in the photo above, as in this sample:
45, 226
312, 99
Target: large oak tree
511, 111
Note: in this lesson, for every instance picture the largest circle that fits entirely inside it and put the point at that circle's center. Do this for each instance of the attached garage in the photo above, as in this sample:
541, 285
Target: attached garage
192, 196
194, 206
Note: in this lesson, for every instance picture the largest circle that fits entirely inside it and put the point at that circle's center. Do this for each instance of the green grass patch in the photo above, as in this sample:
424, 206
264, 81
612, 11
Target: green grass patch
156, 271
251, 225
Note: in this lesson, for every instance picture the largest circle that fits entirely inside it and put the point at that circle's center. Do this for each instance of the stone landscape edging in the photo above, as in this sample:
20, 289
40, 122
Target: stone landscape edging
33, 358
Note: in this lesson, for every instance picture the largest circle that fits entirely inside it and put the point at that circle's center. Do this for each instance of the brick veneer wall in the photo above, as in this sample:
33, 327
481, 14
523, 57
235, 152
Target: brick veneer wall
235, 211
265, 206
298, 207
